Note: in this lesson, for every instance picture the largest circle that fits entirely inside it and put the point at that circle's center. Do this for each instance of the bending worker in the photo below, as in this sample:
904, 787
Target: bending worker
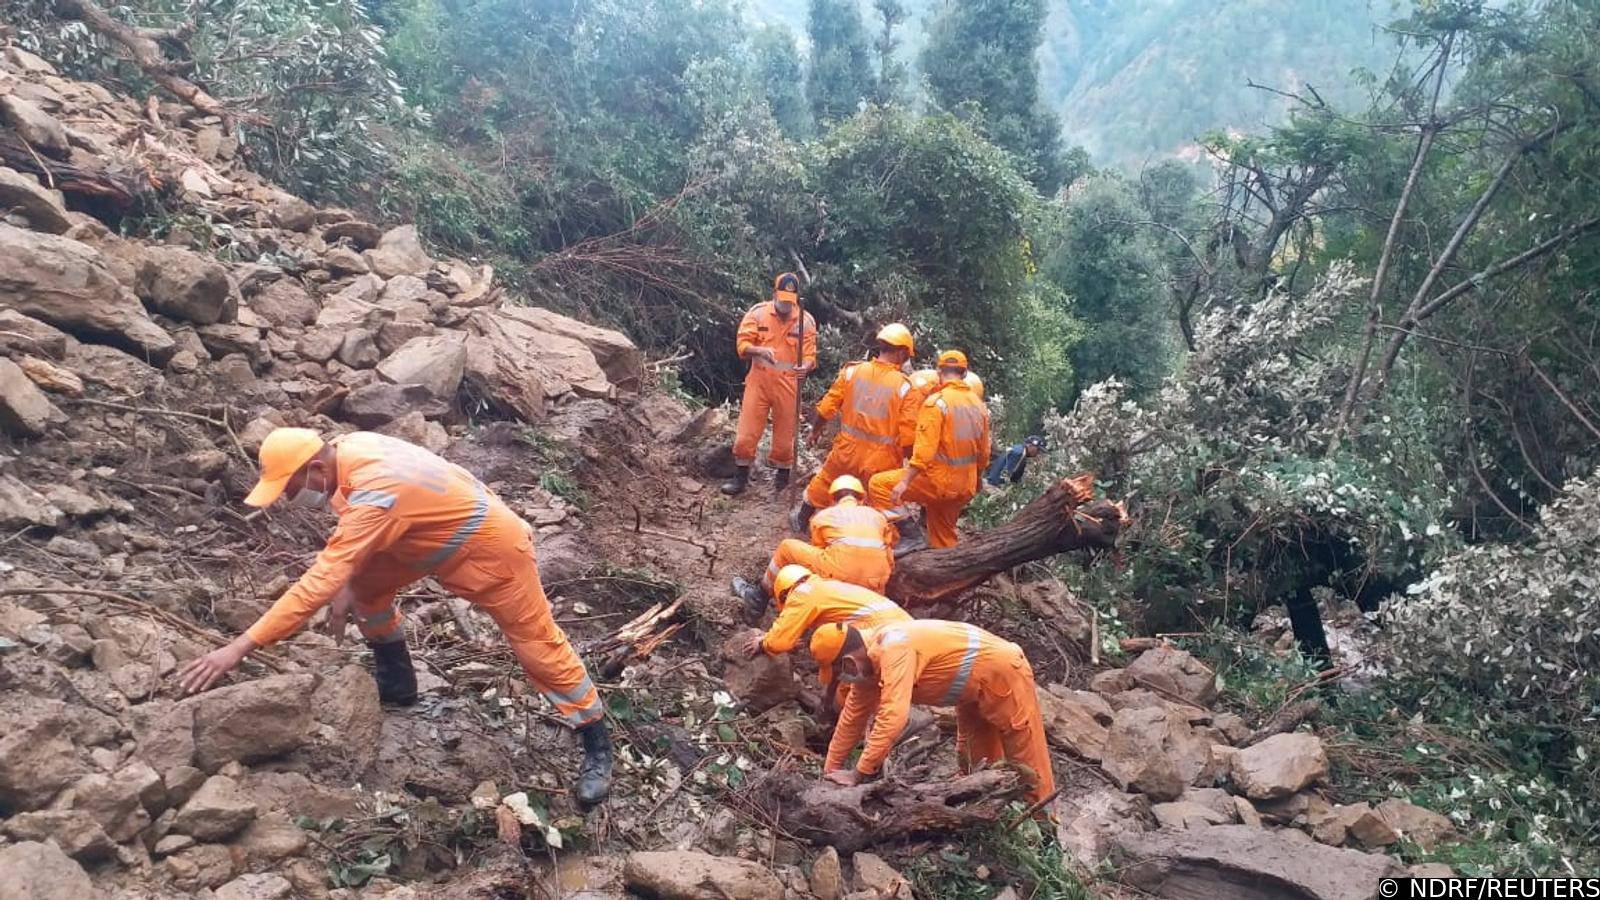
849, 542
405, 514
779, 341
949, 454
806, 601
1010, 465
935, 663
871, 400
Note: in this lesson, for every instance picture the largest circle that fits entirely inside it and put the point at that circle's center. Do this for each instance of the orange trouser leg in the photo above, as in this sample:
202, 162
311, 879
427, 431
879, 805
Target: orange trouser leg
753, 410
881, 486
792, 552
504, 582
784, 394
941, 516
939, 513
977, 741
1009, 702
374, 587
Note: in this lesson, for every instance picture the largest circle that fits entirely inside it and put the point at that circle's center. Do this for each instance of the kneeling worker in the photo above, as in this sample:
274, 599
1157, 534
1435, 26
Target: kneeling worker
949, 455
935, 663
405, 514
849, 542
806, 601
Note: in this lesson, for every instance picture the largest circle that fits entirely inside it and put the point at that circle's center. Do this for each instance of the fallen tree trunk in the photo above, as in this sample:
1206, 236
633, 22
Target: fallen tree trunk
107, 194
886, 810
1063, 518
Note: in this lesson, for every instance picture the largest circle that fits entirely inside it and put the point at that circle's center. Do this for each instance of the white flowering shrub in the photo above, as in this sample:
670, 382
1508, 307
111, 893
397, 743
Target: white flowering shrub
1516, 623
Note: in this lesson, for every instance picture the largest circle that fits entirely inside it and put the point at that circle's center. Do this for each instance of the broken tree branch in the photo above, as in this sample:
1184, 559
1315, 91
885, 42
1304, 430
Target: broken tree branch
886, 810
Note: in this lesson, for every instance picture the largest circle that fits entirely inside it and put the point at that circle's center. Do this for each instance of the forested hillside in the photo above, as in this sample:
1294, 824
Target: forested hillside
1185, 66
1322, 419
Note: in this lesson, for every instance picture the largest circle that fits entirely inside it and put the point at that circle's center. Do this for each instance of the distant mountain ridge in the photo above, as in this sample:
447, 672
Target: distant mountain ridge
1140, 79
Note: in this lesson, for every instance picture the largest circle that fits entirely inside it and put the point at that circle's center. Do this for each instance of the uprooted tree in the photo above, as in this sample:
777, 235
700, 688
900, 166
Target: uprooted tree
1063, 518
888, 809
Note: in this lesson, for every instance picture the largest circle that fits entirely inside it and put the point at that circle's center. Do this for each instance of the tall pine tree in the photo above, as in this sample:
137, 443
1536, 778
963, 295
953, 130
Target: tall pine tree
777, 70
891, 69
984, 53
841, 61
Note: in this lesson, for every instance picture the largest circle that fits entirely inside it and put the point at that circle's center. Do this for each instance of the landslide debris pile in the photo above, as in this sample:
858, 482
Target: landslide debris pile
137, 376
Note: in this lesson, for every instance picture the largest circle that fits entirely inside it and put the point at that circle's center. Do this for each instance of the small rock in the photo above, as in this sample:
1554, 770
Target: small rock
218, 810
37, 760
172, 843
1423, 826
1367, 826
688, 875
253, 721
1154, 751
20, 334
1246, 812
1111, 681
380, 403
163, 732
1181, 816
871, 873
114, 801
224, 340
181, 782
399, 252
1431, 870
437, 362
364, 235
25, 411
74, 831
24, 195
341, 260
760, 683
202, 866
256, 887
359, 349
34, 125
291, 213
285, 302
1075, 721
185, 285
1280, 765
39, 871
347, 703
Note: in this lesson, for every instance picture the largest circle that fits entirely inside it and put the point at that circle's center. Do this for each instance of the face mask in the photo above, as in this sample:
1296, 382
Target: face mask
309, 499
784, 309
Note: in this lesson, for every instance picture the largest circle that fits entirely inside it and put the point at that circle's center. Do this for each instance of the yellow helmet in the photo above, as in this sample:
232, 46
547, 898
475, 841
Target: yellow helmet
788, 577
826, 642
896, 335
953, 359
847, 483
974, 382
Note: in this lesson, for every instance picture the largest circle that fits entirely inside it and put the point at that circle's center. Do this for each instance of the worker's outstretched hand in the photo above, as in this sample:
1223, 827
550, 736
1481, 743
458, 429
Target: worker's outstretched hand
206, 671
899, 492
751, 646
815, 440
846, 777
339, 614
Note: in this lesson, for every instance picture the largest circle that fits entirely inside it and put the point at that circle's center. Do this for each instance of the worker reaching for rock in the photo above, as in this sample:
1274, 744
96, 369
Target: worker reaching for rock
806, 601
949, 455
850, 541
779, 341
405, 514
871, 400
936, 663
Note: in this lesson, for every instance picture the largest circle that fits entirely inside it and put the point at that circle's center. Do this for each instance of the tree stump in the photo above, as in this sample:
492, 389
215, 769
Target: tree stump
1063, 518
886, 810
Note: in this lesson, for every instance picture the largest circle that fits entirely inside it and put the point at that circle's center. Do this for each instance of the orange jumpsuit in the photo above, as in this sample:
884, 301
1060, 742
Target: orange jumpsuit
772, 387
849, 542
820, 601
987, 679
872, 400
924, 383
405, 514
950, 454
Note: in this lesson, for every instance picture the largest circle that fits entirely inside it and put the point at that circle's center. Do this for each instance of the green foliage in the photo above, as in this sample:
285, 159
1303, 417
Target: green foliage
840, 77
777, 70
312, 71
1022, 852
981, 60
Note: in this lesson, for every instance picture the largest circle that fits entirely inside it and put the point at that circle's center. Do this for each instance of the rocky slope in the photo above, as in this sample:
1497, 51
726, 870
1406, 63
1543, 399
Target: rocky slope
138, 373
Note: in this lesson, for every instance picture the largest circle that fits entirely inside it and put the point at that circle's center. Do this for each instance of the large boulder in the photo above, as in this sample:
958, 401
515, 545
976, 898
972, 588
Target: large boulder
217, 811
1088, 822
1075, 721
37, 760
1281, 765
399, 252
20, 334
21, 506
38, 871
121, 372
23, 195
688, 875
437, 362
347, 705
285, 302
1175, 673
117, 801
24, 409
380, 403
1154, 751
73, 830
364, 235
69, 285
1423, 826
253, 721
185, 285
163, 733
618, 357
1244, 863
518, 367
40, 129
760, 683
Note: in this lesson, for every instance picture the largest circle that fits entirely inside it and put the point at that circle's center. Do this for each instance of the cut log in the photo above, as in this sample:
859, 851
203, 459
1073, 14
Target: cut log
886, 810
636, 640
1063, 518
106, 195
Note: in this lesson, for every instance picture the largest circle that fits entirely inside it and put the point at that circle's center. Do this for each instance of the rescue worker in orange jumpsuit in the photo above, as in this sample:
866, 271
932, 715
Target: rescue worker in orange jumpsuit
806, 600
948, 457
935, 663
850, 541
872, 401
405, 514
779, 341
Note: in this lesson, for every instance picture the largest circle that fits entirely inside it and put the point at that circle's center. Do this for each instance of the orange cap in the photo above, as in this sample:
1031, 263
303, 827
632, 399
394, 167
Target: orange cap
952, 359
786, 287
282, 454
826, 642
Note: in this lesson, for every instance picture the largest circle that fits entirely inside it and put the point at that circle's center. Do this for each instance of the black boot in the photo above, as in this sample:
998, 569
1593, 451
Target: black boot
913, 536
755, 599
780, 481
800, 517
594, 773
736, 485
392, 669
